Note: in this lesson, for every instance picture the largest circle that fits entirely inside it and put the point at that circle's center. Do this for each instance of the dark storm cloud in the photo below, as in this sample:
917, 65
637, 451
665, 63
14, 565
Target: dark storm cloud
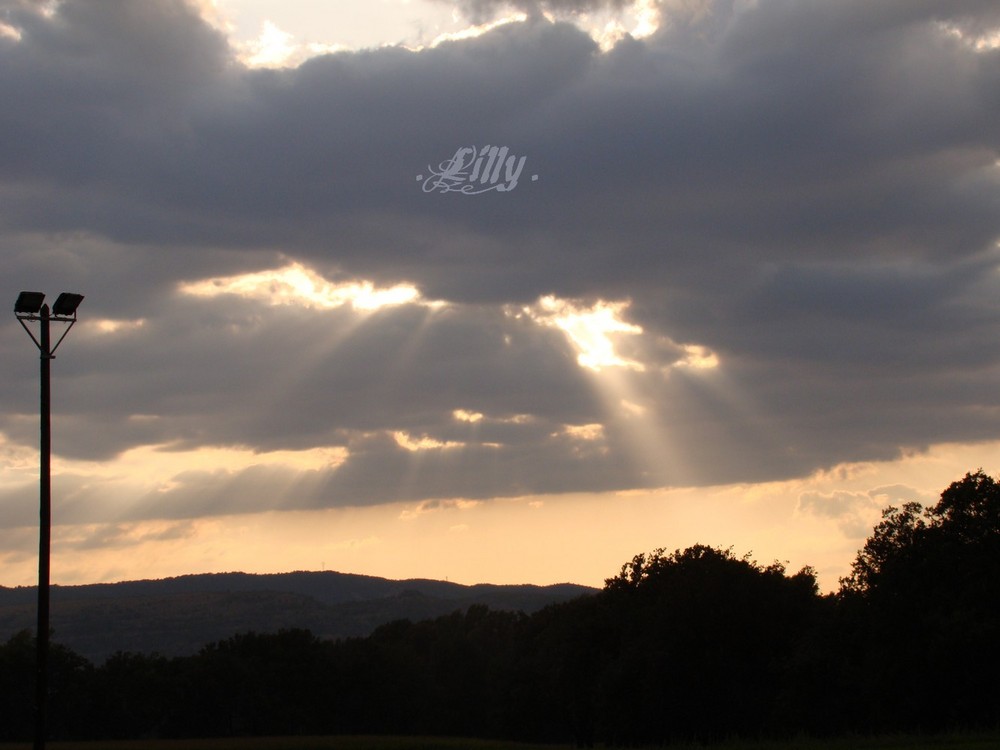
86, 84
807, 189
288, 379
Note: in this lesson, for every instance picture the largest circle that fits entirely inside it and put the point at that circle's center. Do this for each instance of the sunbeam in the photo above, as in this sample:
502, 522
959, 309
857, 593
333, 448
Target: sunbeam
636, 390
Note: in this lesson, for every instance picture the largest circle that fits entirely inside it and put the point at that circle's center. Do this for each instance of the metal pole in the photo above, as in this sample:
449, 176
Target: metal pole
44, 532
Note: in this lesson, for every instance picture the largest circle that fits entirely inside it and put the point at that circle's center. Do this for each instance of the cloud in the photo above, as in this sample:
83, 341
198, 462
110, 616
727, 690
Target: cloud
481, 11
122, 536
786, 211
854, 512
897, 494
857, 512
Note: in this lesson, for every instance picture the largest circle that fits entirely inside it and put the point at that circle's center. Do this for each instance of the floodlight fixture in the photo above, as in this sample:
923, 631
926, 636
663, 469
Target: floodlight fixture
29, 303
66, 304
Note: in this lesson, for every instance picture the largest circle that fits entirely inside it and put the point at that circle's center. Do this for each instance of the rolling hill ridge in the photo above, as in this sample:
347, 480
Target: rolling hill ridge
177, 616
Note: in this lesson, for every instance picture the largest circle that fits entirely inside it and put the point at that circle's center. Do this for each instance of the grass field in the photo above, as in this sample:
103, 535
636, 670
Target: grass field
977, 741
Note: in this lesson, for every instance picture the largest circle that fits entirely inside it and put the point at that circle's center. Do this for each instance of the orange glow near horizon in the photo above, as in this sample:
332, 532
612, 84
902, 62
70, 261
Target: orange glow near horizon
577, 537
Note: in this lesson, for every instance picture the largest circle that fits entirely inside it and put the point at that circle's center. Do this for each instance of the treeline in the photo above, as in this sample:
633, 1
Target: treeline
696, 644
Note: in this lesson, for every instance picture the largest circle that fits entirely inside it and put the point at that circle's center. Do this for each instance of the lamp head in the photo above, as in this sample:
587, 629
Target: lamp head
29, 303
66, 304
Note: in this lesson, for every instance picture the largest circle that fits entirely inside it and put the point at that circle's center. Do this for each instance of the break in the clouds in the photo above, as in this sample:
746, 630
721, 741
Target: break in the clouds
763, 241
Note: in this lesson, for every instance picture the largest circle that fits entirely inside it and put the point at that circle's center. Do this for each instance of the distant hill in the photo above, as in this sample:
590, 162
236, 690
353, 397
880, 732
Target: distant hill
177, 616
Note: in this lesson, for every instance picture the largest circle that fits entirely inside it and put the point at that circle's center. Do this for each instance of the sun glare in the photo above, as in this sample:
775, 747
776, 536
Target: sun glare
160, 460
107, 325
611, 26
422, 443
276, 48
982, 42
587, 432
591, 329
272, 48
698, 357
596, 329
296, 284
9, 32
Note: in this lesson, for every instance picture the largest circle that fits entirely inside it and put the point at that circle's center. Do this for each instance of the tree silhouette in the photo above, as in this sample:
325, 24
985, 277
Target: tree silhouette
17, 686
703, 642
923, 590
70, 699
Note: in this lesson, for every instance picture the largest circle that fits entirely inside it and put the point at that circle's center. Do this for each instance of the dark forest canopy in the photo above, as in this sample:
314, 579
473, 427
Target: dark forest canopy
694, 644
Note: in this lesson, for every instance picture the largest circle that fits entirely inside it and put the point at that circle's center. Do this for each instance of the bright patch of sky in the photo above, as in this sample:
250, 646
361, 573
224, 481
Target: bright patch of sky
699, 357
981, 41
421, 443
279, 34
592, 329
8, 31
114, 326
296, 284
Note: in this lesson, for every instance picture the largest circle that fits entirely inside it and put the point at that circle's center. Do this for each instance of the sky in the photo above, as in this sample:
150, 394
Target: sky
494, 292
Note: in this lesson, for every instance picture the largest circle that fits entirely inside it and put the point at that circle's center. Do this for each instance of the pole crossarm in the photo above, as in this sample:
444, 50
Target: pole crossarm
52, 319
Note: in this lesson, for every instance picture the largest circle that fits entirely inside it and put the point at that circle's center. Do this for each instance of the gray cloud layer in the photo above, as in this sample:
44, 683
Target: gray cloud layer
808, 189
482, 11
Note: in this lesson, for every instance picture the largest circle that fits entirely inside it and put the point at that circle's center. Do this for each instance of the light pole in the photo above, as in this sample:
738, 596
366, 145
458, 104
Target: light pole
30, 306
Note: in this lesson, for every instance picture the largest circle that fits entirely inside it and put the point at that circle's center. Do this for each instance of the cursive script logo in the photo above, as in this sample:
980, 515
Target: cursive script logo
472, 171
